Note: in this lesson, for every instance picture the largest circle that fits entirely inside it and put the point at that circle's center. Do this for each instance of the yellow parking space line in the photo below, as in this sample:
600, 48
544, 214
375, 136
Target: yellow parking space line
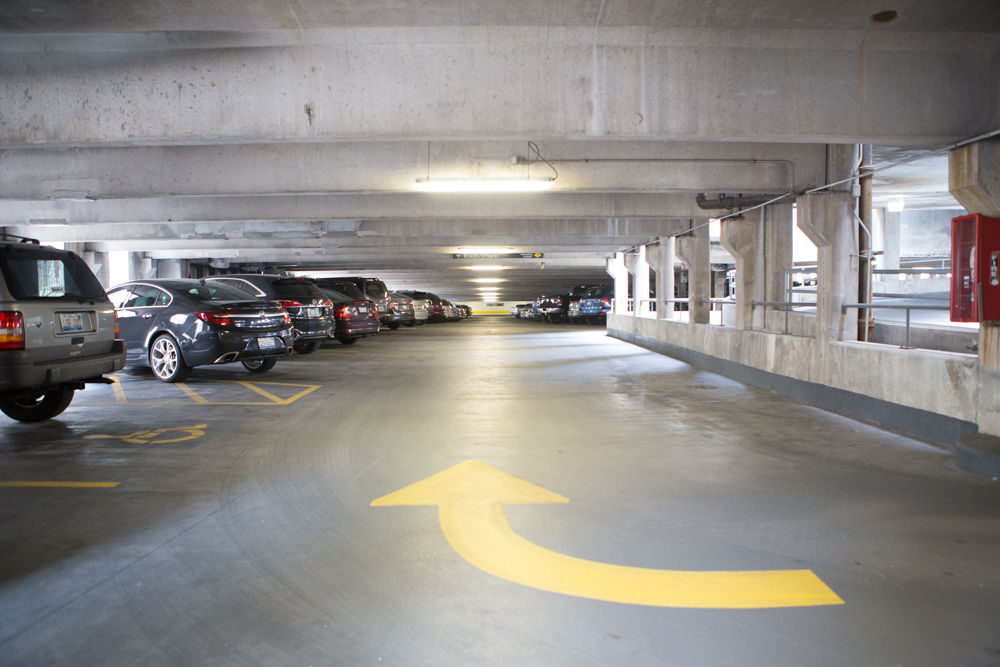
120, 397
193, 394
275, 399
74, 485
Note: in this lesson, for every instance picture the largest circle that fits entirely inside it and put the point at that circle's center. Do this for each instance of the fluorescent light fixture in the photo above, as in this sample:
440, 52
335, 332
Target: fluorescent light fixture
49, 222
486, 268
72, 195
895, 205
486, 280
531, 184
484, 251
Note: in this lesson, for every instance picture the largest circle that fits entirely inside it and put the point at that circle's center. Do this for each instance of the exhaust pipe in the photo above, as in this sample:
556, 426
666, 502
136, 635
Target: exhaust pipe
226, 358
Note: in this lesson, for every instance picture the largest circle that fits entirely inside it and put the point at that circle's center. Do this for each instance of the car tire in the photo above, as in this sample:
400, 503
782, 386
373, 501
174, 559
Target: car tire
410, 324
393, 325
166, 361
307, 346
348, 341
262, 365
40, 408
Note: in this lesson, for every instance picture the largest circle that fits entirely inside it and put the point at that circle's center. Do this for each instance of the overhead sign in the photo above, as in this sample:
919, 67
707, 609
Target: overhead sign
470, 496
499, 255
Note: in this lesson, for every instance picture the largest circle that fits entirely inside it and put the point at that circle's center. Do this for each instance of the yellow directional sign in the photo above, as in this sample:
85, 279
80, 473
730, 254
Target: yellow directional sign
470, 497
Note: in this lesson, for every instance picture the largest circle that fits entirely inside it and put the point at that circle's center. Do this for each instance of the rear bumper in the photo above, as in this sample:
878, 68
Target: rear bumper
312, 329
229, 346
19, 372
356, 329
400, 317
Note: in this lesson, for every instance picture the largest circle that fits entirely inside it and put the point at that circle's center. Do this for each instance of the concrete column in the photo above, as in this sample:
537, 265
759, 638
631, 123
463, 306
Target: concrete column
890, 252
140, 267
744, 239
97, 261
168, 268
661, 257
777, 259
638, 266
974, 180
616, 268
828, 220
693, 249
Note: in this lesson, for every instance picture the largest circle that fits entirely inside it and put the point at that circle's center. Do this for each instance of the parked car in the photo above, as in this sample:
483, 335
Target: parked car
597, 303
174, 325
466, 310
421, 309
436, 312
309, 308
518, 310
549, 308
450, 314
524, 311
58, 330
400, 311
375, 290
355, 317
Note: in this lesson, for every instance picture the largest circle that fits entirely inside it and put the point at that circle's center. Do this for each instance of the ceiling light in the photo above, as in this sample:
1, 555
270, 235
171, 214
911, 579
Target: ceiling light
486, 280
530, 184
895, 205
486, 268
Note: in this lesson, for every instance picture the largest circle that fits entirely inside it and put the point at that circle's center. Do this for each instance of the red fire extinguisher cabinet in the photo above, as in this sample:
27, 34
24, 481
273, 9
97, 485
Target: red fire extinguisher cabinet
975, 268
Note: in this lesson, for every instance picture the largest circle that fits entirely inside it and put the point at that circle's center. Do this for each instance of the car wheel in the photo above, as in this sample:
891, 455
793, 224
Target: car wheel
393, 325
166, 361
410, 324
260, 365
307, 346
39, 408
348, 341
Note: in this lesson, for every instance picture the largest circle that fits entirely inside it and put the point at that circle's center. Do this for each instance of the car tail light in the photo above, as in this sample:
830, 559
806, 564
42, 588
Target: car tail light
11, 330
343, 313
117, 331
606, 301
559, 300
284, 314
215, 318
395, 305
290, 304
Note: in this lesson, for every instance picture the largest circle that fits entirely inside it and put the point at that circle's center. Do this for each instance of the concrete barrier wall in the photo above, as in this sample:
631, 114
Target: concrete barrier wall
925, 393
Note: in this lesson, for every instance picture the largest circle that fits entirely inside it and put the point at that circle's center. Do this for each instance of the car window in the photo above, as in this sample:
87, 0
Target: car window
215, 292
145, 296
297, 289
374, 289
119, 296
336, 296
41, 274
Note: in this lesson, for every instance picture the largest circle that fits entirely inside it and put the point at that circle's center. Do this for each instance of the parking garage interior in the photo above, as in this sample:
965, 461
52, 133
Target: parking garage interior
776, 445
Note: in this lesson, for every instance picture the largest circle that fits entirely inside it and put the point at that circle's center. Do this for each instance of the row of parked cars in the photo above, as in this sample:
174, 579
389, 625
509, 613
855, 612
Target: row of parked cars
60, 330
582, 304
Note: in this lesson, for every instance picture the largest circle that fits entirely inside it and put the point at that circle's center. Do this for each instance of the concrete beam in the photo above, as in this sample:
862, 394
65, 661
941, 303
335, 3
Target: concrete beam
380, 166
643, 82
353, 207
974, 177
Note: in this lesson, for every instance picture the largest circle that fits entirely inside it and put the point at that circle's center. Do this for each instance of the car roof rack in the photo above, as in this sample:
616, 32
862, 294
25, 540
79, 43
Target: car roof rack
20, 239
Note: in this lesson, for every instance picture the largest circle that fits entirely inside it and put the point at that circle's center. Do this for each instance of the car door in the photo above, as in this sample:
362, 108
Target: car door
137, 317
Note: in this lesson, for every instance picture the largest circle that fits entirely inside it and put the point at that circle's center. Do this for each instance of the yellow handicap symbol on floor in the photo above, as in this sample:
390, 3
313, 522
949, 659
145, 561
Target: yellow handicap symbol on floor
155, 437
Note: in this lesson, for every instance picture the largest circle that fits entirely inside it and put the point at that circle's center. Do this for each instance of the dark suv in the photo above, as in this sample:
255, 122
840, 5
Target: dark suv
310, 309
58, 330
597, 303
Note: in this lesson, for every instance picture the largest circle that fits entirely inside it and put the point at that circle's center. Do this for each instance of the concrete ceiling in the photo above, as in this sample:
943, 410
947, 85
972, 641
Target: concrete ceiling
290, 133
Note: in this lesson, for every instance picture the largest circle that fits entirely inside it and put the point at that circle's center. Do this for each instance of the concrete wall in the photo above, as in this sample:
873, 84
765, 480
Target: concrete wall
927, 393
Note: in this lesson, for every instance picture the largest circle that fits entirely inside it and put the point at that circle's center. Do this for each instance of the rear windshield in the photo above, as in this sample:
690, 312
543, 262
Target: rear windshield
337, 297
41, 274
297, 289
344, 287
598, 292
214, 292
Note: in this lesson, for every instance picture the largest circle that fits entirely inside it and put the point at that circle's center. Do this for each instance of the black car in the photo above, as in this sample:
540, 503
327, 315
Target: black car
375, 290
174, 325
310, 309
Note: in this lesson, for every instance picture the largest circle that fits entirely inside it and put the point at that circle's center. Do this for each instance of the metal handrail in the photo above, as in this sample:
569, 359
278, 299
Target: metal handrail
896, 306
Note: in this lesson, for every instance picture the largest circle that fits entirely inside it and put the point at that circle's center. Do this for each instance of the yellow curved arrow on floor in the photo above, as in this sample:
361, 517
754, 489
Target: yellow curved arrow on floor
470, 496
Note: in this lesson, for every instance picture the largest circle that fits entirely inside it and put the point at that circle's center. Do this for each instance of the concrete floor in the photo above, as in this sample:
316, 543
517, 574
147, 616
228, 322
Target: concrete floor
254, 543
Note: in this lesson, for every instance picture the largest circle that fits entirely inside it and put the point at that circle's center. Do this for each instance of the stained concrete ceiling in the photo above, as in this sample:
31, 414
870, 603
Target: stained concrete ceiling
290, 133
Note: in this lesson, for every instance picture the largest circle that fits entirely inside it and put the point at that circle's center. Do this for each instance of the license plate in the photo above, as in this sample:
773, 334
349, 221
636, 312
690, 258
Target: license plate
266, 343
312, 312
71, 321
363, 310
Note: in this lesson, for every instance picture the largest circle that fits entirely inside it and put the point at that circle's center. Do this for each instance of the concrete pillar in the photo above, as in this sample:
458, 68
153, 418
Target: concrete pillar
743, 237
616, 268
828, 220
693, 249
890, 253
97, 261
168, 268
778, 237
638, 266
974, 180
661, 257
140, 266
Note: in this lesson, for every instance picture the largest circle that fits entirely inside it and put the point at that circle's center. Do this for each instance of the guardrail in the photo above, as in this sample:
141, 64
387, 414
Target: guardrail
896, 306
